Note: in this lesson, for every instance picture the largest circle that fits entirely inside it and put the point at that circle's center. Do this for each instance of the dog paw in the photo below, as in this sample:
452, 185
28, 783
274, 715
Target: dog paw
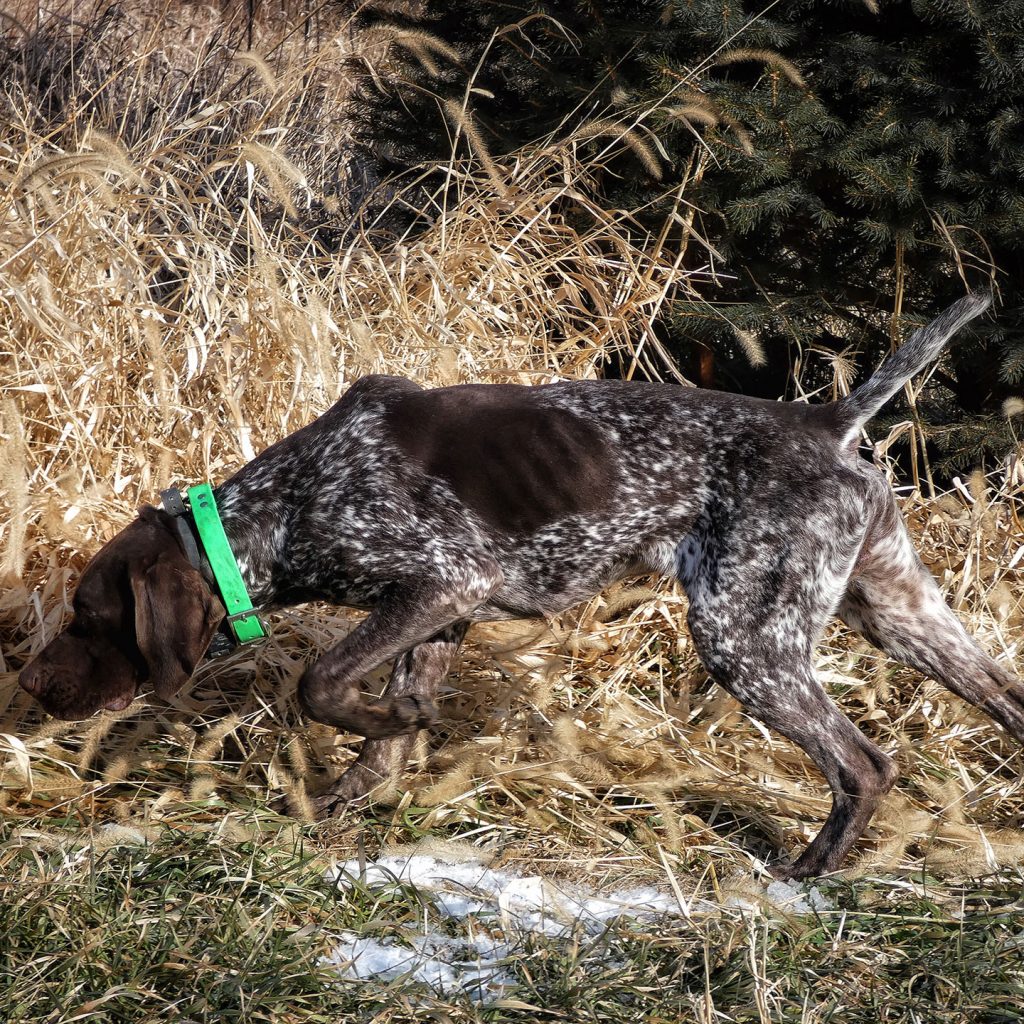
349, 793
331, 804
780, 870
786, 870
397, 716
344, 797
413, 712
284, 805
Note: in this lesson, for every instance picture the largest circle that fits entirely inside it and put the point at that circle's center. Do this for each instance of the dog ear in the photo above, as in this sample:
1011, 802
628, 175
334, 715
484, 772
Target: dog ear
175, 618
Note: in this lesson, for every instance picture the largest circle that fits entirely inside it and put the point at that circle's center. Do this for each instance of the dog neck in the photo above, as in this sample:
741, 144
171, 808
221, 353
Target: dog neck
255, 523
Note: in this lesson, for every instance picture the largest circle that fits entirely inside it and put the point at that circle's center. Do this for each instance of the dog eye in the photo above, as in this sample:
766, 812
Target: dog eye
84, 618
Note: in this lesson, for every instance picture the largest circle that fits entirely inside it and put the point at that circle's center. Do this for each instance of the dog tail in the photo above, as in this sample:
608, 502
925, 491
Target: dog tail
922, 348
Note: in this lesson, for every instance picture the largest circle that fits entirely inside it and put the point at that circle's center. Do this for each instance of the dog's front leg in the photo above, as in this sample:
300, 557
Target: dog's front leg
421, 624
418, 674
409, 614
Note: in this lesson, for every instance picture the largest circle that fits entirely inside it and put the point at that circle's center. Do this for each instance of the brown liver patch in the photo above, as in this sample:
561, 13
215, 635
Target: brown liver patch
517, 463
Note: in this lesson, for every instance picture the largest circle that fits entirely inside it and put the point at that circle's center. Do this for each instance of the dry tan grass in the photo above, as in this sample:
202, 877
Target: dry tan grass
168, 315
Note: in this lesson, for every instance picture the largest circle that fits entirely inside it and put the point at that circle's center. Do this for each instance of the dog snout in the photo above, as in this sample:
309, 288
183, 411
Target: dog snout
30, 679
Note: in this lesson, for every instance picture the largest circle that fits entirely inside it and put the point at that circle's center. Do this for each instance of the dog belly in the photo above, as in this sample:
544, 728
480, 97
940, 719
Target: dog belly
544, 579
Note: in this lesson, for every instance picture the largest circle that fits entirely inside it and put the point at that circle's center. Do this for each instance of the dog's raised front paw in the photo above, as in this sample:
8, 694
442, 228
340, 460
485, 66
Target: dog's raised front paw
412, 712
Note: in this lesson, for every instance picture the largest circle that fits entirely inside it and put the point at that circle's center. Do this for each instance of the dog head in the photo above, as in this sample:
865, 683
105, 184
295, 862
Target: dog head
142, 616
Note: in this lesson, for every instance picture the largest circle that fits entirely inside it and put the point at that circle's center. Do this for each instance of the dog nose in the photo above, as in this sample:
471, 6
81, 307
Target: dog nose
29, 681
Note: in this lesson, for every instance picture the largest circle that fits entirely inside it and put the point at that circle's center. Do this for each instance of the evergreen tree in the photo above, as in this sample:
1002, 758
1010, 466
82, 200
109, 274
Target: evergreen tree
857, 161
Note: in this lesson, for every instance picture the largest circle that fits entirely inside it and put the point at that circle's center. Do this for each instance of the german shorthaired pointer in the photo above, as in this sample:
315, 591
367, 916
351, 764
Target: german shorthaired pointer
436, 509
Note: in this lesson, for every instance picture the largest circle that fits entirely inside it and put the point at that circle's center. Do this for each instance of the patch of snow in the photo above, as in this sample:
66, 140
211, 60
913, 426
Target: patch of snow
443, 963
524, 903
789, 897
498, 909
501, 908
797, 899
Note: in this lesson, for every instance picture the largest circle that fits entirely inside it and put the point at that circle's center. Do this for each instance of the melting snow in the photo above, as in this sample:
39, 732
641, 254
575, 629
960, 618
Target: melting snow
495, 910
502, 902
797, 900
443, 963
524, 903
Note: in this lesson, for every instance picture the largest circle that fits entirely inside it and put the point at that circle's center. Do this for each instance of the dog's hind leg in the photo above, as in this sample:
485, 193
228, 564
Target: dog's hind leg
418, 673
773, 678
894, 603
760, 594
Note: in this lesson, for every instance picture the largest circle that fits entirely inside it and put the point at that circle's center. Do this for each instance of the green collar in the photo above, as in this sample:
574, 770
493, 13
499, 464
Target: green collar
242, 619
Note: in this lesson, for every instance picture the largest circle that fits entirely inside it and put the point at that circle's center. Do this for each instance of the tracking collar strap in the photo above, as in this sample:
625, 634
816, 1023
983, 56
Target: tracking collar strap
242, 620
172, 503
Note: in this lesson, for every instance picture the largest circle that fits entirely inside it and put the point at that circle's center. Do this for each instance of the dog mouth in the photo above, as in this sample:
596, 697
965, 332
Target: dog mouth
81, 713
81, 710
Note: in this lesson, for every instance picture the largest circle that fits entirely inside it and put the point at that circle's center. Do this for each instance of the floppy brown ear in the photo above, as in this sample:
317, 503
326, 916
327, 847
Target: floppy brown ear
175, 617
